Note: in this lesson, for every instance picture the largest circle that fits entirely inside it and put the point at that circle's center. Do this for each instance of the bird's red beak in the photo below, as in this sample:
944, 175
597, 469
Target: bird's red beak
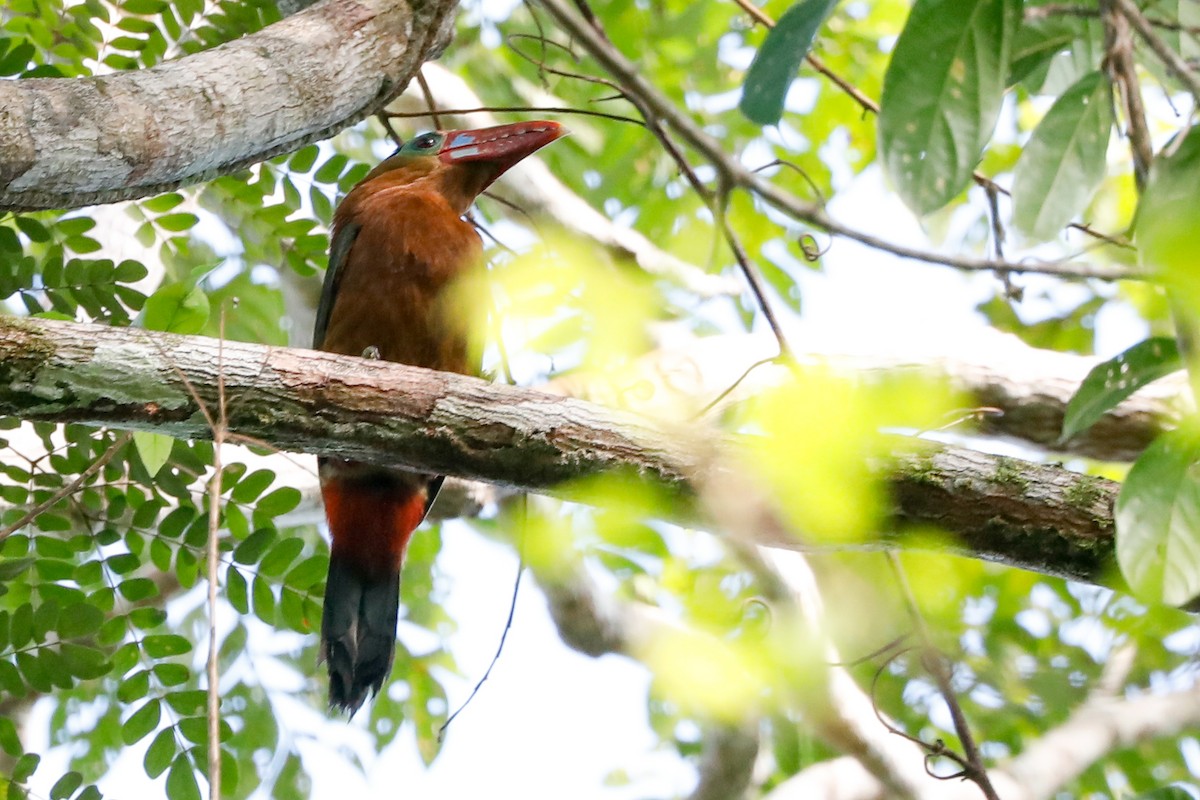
501, 145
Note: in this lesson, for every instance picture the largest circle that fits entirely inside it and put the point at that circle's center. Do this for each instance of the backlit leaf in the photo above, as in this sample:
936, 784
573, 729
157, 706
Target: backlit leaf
1157, 517
779, 58
160, 753
177, 308
1166, 236
181, 780
1064, 161
941, 95
154, 449
142, 722
1116, 379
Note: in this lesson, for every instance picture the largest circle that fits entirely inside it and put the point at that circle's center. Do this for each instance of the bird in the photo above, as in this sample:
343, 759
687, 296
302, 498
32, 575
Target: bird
397, 245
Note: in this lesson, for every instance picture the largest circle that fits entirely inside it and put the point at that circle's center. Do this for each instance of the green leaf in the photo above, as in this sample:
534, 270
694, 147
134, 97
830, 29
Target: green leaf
32, 228
135, 589
187, 568
192, 701
177, 308
251, 486
130, 271
65, 786
235, 591
942, 94
264, 600
1157, 517
10, 678
34, 672
280, 557
135, 687
331, 169
160, 555
174, 523
9, 740
1112, 381
142, 722
162, 203
304, 158
291, 609
1165, 793
81, 244
777, 61
127, 655
251, 550
280, 501
123, 563
308, 572
172, 674
147, 618
111, 632
176, 223
11, 568
181, 780
1064, 160
1166, 236
164, 645
194, 729
159, 753
1039, 41
45, 619
79, 620
25, 766
17, 59
154, 449
85, 663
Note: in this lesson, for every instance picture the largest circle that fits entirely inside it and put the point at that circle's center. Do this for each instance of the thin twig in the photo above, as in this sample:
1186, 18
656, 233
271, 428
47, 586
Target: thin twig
754, 279
1171, 60
934, 662
512, 611
69, 489
434, 114
714, 200
214, 551
583, 112
728, 390
1119, 63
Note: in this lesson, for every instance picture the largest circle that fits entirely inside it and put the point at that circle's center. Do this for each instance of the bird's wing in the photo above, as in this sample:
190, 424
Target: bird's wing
339, 250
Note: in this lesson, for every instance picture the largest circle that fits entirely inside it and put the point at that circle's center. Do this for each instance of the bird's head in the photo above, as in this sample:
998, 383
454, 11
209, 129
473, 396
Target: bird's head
461, 164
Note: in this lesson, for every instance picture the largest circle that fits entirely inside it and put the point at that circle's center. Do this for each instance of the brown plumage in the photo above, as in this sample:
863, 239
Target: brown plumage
398, 243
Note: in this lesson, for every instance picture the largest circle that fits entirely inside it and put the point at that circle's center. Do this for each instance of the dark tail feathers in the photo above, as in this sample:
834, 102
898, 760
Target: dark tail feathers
358, 632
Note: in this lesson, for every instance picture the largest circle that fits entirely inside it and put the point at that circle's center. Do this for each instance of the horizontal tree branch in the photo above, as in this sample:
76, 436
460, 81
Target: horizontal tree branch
1035, 516
69, 142
1020, 392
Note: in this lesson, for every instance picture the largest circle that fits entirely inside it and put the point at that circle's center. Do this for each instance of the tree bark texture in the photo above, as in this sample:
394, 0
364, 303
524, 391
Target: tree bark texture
70, 142
1038, 517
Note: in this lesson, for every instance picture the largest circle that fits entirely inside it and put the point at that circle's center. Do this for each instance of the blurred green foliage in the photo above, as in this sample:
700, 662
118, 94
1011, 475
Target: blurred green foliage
85, 588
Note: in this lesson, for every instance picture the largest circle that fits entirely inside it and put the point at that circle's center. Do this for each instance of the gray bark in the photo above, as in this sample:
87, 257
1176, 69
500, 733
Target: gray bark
1038, 517
66, 143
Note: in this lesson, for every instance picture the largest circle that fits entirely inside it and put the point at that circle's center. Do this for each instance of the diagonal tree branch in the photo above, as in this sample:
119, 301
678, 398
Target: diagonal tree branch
70, 142
734, 174
1038, 517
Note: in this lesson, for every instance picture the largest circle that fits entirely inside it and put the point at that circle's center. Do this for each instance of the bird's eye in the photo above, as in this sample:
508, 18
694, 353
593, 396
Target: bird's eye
426, 141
